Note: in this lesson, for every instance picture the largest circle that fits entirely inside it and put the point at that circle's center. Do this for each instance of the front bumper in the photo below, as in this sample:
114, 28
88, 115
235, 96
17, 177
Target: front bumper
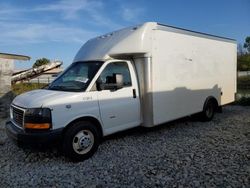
32, 138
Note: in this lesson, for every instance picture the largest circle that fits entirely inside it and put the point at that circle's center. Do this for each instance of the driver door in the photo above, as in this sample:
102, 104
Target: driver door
119, 108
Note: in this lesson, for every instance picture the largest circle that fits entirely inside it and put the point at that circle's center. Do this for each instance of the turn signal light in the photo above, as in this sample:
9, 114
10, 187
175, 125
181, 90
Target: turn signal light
37, 125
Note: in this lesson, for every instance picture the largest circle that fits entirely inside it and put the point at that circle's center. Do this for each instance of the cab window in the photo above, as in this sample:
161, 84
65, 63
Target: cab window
116, 68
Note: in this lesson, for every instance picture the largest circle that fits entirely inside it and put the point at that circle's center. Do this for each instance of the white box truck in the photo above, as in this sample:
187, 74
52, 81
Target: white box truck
138, 76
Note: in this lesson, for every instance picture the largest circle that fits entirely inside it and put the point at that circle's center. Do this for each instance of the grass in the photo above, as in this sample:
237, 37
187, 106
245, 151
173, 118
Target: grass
243, 62
24, 87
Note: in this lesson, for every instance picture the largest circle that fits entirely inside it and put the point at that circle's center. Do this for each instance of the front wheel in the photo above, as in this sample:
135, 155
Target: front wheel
81, 141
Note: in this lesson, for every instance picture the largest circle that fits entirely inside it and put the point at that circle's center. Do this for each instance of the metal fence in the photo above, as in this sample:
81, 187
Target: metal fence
243, 73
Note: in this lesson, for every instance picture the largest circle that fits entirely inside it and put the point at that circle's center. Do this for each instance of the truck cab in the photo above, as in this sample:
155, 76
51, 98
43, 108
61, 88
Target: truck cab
99, 97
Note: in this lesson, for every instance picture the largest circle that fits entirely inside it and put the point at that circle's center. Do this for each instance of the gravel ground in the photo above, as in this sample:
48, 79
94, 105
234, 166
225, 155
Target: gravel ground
184, 153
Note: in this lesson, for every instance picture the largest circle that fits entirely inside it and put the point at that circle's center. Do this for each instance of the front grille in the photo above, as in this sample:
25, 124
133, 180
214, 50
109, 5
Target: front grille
18, 115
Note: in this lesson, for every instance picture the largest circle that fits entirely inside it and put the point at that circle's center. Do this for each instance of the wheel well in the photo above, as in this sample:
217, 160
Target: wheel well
88, 118
214, 101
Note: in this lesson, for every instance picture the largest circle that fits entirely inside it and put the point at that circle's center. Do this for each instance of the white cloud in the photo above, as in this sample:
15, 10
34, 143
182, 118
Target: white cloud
19, 25
8, 12
37, 33
70, 9
91, 10
132, 14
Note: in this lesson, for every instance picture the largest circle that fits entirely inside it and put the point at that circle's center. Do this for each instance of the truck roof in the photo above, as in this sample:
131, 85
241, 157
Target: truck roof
134, 40
194, 33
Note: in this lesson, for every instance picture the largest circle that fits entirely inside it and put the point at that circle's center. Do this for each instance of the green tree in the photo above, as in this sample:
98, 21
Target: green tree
240, 50
243, 62
247, 44
42, 61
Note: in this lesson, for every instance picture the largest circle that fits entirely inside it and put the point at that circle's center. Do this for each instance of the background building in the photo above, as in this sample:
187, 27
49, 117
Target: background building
47, 77
6, 70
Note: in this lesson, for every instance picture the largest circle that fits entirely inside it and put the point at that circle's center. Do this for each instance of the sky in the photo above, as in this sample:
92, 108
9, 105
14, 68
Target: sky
56, 29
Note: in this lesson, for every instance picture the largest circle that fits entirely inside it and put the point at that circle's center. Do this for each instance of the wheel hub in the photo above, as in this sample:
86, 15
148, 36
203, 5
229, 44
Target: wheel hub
83, 141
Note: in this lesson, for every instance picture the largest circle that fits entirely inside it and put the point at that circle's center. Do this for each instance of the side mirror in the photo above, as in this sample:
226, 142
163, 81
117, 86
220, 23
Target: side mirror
114, 82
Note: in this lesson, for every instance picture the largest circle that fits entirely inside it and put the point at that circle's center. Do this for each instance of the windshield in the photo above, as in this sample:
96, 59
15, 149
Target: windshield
77, 77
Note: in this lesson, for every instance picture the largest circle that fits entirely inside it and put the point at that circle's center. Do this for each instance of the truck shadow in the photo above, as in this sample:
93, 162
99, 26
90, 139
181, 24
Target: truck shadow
180, 101
139, 131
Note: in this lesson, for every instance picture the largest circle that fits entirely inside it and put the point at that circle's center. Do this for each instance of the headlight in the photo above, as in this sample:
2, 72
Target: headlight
37, 118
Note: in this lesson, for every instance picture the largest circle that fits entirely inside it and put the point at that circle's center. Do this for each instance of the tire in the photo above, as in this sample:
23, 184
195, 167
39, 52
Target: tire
80, 141
208, 111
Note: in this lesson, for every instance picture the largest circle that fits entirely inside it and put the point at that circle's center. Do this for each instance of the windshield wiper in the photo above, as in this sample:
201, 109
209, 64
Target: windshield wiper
63, 88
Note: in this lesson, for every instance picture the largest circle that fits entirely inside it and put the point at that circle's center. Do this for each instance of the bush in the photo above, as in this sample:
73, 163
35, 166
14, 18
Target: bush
243, 82
42, 61
243, 62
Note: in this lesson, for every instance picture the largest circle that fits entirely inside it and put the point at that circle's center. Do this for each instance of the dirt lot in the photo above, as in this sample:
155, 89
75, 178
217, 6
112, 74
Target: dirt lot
184, 153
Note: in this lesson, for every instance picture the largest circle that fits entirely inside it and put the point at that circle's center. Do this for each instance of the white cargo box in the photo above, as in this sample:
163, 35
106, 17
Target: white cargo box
177, 69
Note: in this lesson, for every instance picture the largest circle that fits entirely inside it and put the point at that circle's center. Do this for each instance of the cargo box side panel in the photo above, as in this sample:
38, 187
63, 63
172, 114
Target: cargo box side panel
186, 70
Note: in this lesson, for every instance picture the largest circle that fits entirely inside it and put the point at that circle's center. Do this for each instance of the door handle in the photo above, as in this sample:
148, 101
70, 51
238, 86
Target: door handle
134, 93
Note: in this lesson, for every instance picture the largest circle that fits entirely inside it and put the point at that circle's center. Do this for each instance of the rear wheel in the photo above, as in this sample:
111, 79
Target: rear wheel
81, 141
208, 110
